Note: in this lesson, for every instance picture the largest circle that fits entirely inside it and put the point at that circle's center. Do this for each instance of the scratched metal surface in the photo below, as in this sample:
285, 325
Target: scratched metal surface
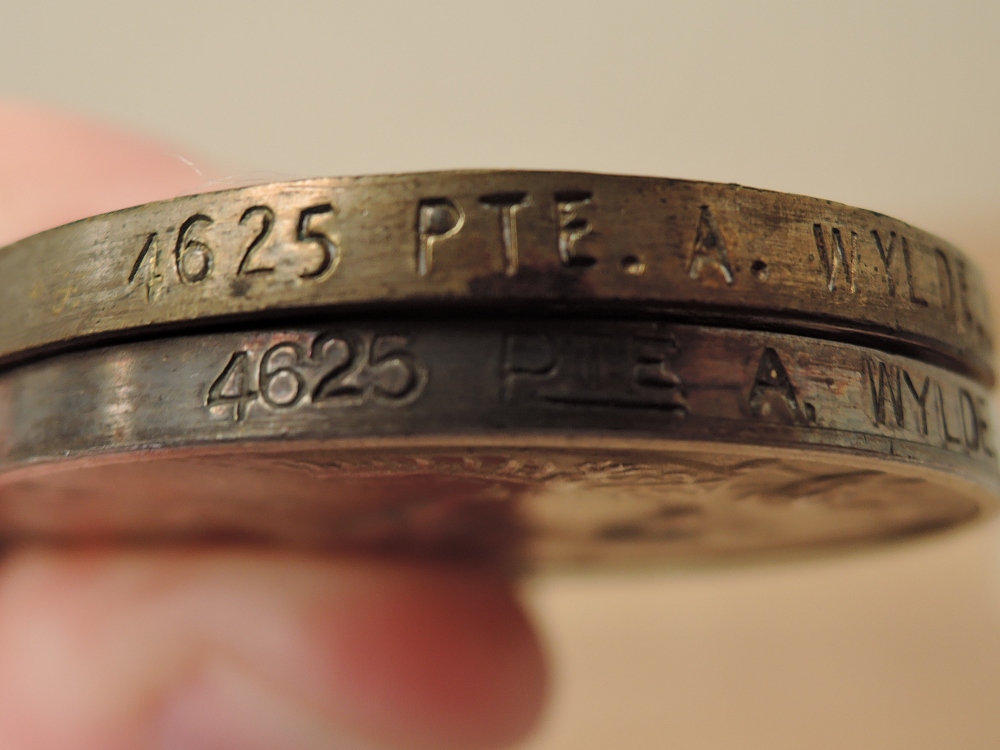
495, 240
542, 441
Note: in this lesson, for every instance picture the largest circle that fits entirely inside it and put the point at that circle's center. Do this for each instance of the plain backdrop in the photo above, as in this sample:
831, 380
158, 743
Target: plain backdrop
894, 106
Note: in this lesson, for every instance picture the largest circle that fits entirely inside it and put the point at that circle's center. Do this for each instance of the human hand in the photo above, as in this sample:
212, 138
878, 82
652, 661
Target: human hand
218, 649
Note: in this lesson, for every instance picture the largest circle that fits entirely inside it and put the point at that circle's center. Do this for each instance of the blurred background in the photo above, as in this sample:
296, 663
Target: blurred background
893, 106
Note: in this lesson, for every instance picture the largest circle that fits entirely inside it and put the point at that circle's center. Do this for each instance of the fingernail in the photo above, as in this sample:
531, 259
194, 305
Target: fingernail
225, 708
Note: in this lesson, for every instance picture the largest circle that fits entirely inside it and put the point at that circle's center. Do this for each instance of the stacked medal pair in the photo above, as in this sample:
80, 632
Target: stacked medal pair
526, 368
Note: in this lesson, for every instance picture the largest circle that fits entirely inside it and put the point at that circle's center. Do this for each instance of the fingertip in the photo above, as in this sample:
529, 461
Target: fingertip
444, 657
236, 648
56, 168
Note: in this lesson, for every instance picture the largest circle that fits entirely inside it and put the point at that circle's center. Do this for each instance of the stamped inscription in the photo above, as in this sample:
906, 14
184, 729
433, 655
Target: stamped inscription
629, 372
772, 395
574, 238
837, 259
725, 376
709, 249
935, 411
330, 370
437, 219
507, 206
201, 247
572, 207
933, 278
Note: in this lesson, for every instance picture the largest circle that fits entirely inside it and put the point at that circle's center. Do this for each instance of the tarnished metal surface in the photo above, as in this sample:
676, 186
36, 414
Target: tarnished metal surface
535, 441
532, 368
496, 241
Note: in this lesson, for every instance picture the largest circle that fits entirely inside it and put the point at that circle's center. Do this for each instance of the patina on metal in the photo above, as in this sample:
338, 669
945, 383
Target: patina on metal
530, 441
495, 241
530, 368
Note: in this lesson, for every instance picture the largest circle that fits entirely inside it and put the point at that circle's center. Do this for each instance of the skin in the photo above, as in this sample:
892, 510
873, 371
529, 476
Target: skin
233, 649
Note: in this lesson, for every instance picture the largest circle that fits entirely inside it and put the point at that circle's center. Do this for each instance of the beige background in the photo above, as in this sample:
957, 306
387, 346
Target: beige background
894, 106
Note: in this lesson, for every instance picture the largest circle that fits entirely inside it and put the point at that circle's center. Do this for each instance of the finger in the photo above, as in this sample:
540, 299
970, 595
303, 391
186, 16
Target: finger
228, 649
256, 651
56, 169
